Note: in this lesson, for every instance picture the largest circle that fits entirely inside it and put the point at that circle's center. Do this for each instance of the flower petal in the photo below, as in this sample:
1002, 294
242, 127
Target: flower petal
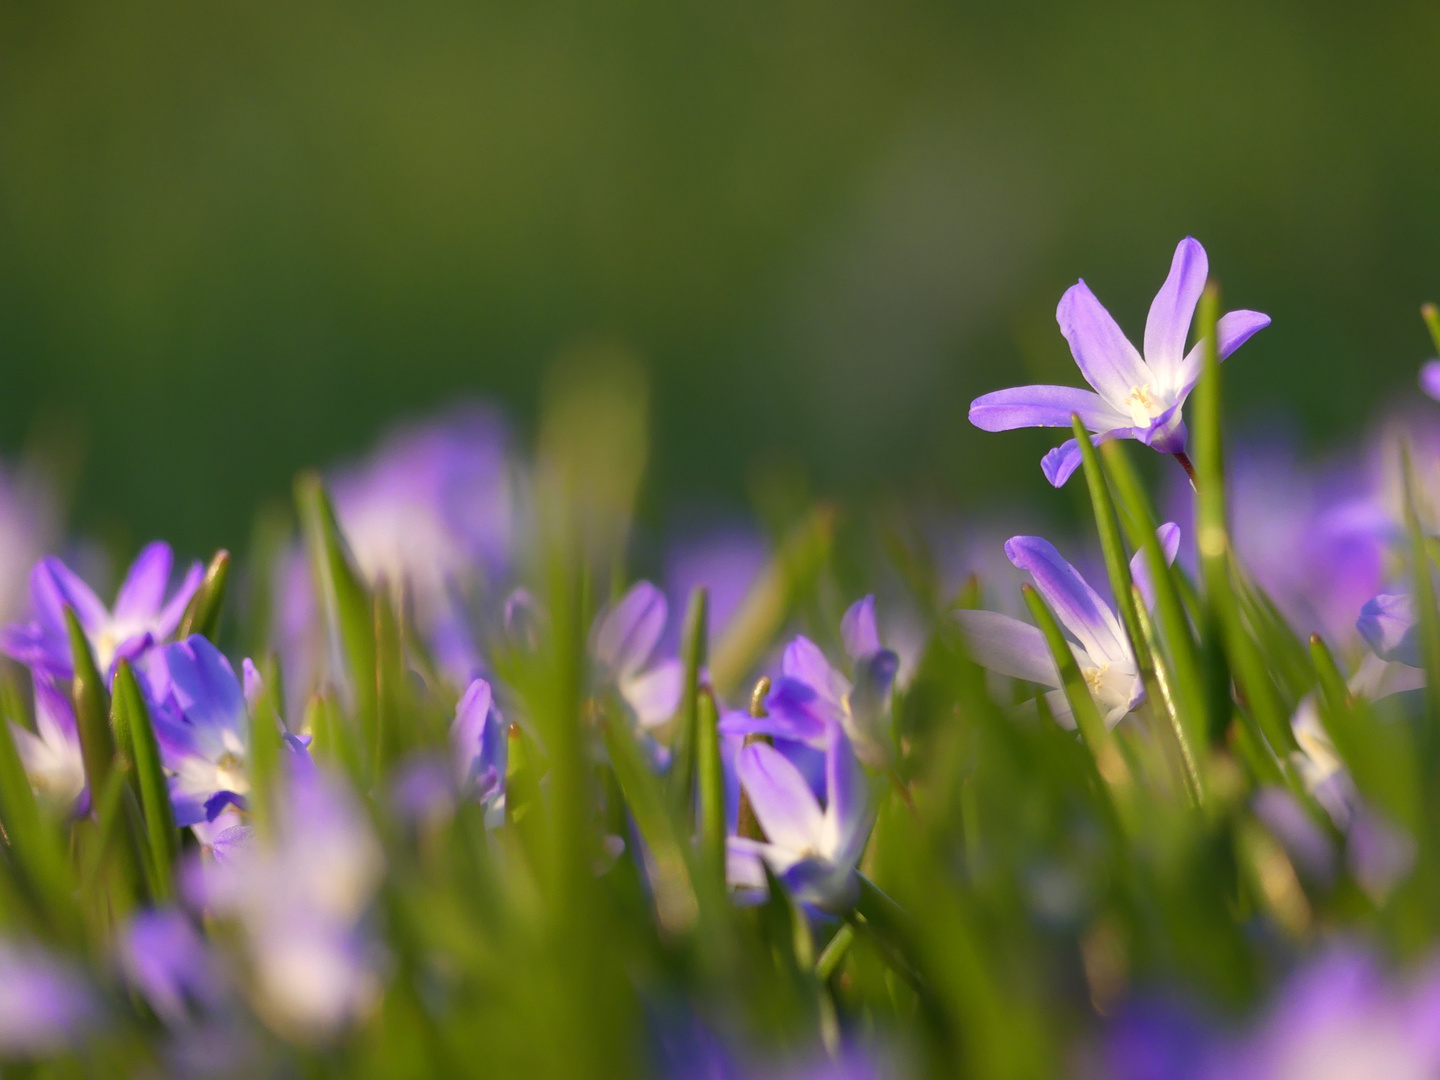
143, 592
1060, 464
1075, 603
1043, 406
53, 587
1387, 623
783, 803
655, 694
1430, 378
858, 630
1107, 359
1169, 537
628, 633
1173, 308
1008, 646
847, 799
1233, 330
804, 662
171, 614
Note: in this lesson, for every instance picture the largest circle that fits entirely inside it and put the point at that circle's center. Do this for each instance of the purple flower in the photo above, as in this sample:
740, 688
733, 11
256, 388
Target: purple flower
812, 850
142, 615
1341, 1018
811, 694
51, 754
45, 1005
432, 514
164, 957
1134, 397
1313, 538
1387, 623
300, 898
203, 727
1101, 647
623, 644
1430, 378
479, 747
29, 526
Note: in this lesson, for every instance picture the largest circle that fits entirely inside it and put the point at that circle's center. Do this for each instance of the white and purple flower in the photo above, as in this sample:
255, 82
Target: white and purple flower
142, 616
624, 643
51, 753
1101, 647
1133, 396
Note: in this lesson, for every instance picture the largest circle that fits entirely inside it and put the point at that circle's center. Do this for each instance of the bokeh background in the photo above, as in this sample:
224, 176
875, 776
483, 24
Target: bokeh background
244, 236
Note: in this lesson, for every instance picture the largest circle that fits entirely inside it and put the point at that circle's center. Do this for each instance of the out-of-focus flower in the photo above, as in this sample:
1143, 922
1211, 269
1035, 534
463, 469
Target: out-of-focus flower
726, 561
1101, 648
29, 526
203, 727
1134, 397
300, 899
812, 850
479, 747
142, 615
810, 694
45, 1005
1341, 1018
1430, 378
164, 957
1313, 538
1387, 623
51, 754
623, 644
432, 513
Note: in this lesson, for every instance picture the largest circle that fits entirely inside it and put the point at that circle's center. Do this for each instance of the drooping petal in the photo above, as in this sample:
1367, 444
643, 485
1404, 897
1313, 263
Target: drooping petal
468, 728
1008, 646
1232, 330
143, 592
1169, 537
858, 630
1074, 602
655, 694
1060, 464
783, 803
1107, 359
629, 631
1430, 378
1043, 406
1173, 308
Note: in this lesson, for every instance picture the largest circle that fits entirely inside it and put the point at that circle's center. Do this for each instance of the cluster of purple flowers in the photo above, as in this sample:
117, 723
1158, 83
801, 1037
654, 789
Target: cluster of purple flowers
277, 913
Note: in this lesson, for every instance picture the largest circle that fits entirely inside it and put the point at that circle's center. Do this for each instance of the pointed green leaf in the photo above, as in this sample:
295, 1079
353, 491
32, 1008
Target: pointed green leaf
711, 774
685, 737
163, 839
97, 744
202, 614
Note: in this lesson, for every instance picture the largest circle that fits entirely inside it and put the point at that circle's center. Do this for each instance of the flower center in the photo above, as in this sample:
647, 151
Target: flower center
230, 773
1143, 406
1094, 677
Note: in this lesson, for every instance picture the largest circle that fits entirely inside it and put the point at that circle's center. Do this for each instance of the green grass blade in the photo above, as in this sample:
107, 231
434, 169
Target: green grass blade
97, 743
676, 905
39, 857
202, 614
344, 600
1424, 590
711, 775
163, 839
686, 734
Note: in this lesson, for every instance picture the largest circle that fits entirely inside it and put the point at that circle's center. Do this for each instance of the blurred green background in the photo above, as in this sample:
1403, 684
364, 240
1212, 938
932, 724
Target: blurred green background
241, 237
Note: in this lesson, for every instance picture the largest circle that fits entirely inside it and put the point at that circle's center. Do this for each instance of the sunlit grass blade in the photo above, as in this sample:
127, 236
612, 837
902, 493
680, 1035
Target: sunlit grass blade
1177, 640
683, 743
92, 708
1107, 524
202, 614
711, 782
676, 905
266, 753
344, 600
1422, 584
163, 839
1163, 701
387, 737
